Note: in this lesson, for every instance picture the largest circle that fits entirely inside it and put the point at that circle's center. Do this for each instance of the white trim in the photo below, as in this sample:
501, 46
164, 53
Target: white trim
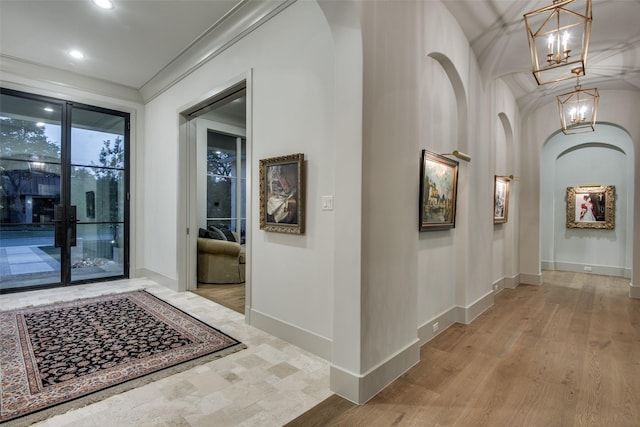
498, 285
444, 320
604, 270
234, 26
360, 388
307, 340
531, 279
16, 70
158, 278
469, 313
634, 291
186, 209
512, 282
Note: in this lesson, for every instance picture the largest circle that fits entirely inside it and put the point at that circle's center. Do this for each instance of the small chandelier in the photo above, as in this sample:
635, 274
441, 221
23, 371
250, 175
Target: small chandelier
578, 109
555, 34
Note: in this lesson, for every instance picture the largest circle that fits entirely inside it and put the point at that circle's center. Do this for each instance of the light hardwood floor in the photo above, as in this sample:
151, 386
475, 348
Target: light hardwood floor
230, 296
563, 354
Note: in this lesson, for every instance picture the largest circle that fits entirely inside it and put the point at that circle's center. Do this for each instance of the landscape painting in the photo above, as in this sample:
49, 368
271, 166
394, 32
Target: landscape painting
438, 188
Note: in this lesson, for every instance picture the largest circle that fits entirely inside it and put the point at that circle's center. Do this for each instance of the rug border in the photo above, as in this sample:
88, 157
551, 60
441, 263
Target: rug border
103, 394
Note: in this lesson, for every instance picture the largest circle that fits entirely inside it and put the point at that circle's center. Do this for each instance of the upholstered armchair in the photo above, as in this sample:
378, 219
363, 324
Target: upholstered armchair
219, 261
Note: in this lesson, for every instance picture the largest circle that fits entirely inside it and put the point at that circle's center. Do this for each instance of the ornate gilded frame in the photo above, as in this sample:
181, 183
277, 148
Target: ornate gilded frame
282, 194
500, 199
600, 200
438, 192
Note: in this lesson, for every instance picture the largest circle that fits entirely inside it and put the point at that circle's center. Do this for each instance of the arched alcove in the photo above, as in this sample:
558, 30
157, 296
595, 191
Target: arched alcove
604, 157
443, 254
460, 94
503, 233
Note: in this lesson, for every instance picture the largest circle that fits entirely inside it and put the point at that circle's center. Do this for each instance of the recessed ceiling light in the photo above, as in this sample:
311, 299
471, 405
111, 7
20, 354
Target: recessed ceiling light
76, 54
104, 4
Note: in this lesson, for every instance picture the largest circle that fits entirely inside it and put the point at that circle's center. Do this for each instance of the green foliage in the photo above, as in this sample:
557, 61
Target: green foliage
23, 139
112, 156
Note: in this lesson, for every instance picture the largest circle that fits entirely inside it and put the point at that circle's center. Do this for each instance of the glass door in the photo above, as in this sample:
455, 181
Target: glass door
97, 196
30, 188
63, 192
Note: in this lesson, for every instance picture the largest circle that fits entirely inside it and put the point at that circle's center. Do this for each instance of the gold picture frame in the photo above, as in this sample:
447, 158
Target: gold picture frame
282, 194
438, 192
500, 199
592, 206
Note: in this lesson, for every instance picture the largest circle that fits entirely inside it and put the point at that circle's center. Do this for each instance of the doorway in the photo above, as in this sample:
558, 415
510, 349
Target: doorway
64, 194
216, 153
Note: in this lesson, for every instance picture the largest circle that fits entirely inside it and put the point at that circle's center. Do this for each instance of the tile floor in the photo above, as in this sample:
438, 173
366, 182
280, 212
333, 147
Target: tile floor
268, 384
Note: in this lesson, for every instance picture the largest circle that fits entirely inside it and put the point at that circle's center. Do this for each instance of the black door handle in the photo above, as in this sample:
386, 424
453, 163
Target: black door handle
64, 227
73, 221
59, 227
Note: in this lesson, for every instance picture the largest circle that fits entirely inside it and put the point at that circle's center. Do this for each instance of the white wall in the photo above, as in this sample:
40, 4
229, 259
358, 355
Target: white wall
603, 157
458, 111
615, 107
422, 90
390, 185
293, 88
506, 153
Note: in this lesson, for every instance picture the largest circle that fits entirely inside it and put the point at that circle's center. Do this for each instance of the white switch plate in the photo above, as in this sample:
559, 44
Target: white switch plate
327, 203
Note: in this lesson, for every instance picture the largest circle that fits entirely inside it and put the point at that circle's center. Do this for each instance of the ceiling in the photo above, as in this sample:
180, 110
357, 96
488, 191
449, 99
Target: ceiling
128, 44
138, 40
496, 31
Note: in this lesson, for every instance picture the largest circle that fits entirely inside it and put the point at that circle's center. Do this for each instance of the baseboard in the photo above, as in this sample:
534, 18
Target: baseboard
512, 282
548, 265
531, 279
306, 340
468, 314
498, 285
444, 320
360, 388
165, 281
604, 270
634, 291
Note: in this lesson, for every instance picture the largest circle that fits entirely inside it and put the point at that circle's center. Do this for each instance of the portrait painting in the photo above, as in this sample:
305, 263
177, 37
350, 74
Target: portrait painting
591, 207
500, 199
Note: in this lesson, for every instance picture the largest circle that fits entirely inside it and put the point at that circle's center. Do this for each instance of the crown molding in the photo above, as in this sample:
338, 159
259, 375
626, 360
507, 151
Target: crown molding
240, 21
14, 70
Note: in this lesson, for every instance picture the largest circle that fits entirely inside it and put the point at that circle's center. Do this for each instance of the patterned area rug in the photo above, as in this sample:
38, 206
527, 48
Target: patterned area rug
65, 355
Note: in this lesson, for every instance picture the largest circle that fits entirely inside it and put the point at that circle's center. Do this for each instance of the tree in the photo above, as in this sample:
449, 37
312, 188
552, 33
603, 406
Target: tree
23, 143
220, 166
24, 139
111, 159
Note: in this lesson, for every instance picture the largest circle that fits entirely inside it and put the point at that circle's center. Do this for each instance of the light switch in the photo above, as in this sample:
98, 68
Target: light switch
327, 203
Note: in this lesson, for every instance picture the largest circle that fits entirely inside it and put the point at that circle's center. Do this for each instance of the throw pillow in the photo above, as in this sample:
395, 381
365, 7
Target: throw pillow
208, 234
215, 231
228, 234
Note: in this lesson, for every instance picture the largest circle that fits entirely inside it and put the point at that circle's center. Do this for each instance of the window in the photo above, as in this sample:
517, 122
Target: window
226, 182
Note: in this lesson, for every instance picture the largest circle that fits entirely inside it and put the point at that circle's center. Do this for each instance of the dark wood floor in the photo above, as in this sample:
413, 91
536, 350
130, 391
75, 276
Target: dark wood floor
230, 296
563, 354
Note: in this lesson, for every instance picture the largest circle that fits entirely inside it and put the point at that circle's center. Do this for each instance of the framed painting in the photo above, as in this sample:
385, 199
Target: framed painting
282, 197
500, 199
438, 189
591, 207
